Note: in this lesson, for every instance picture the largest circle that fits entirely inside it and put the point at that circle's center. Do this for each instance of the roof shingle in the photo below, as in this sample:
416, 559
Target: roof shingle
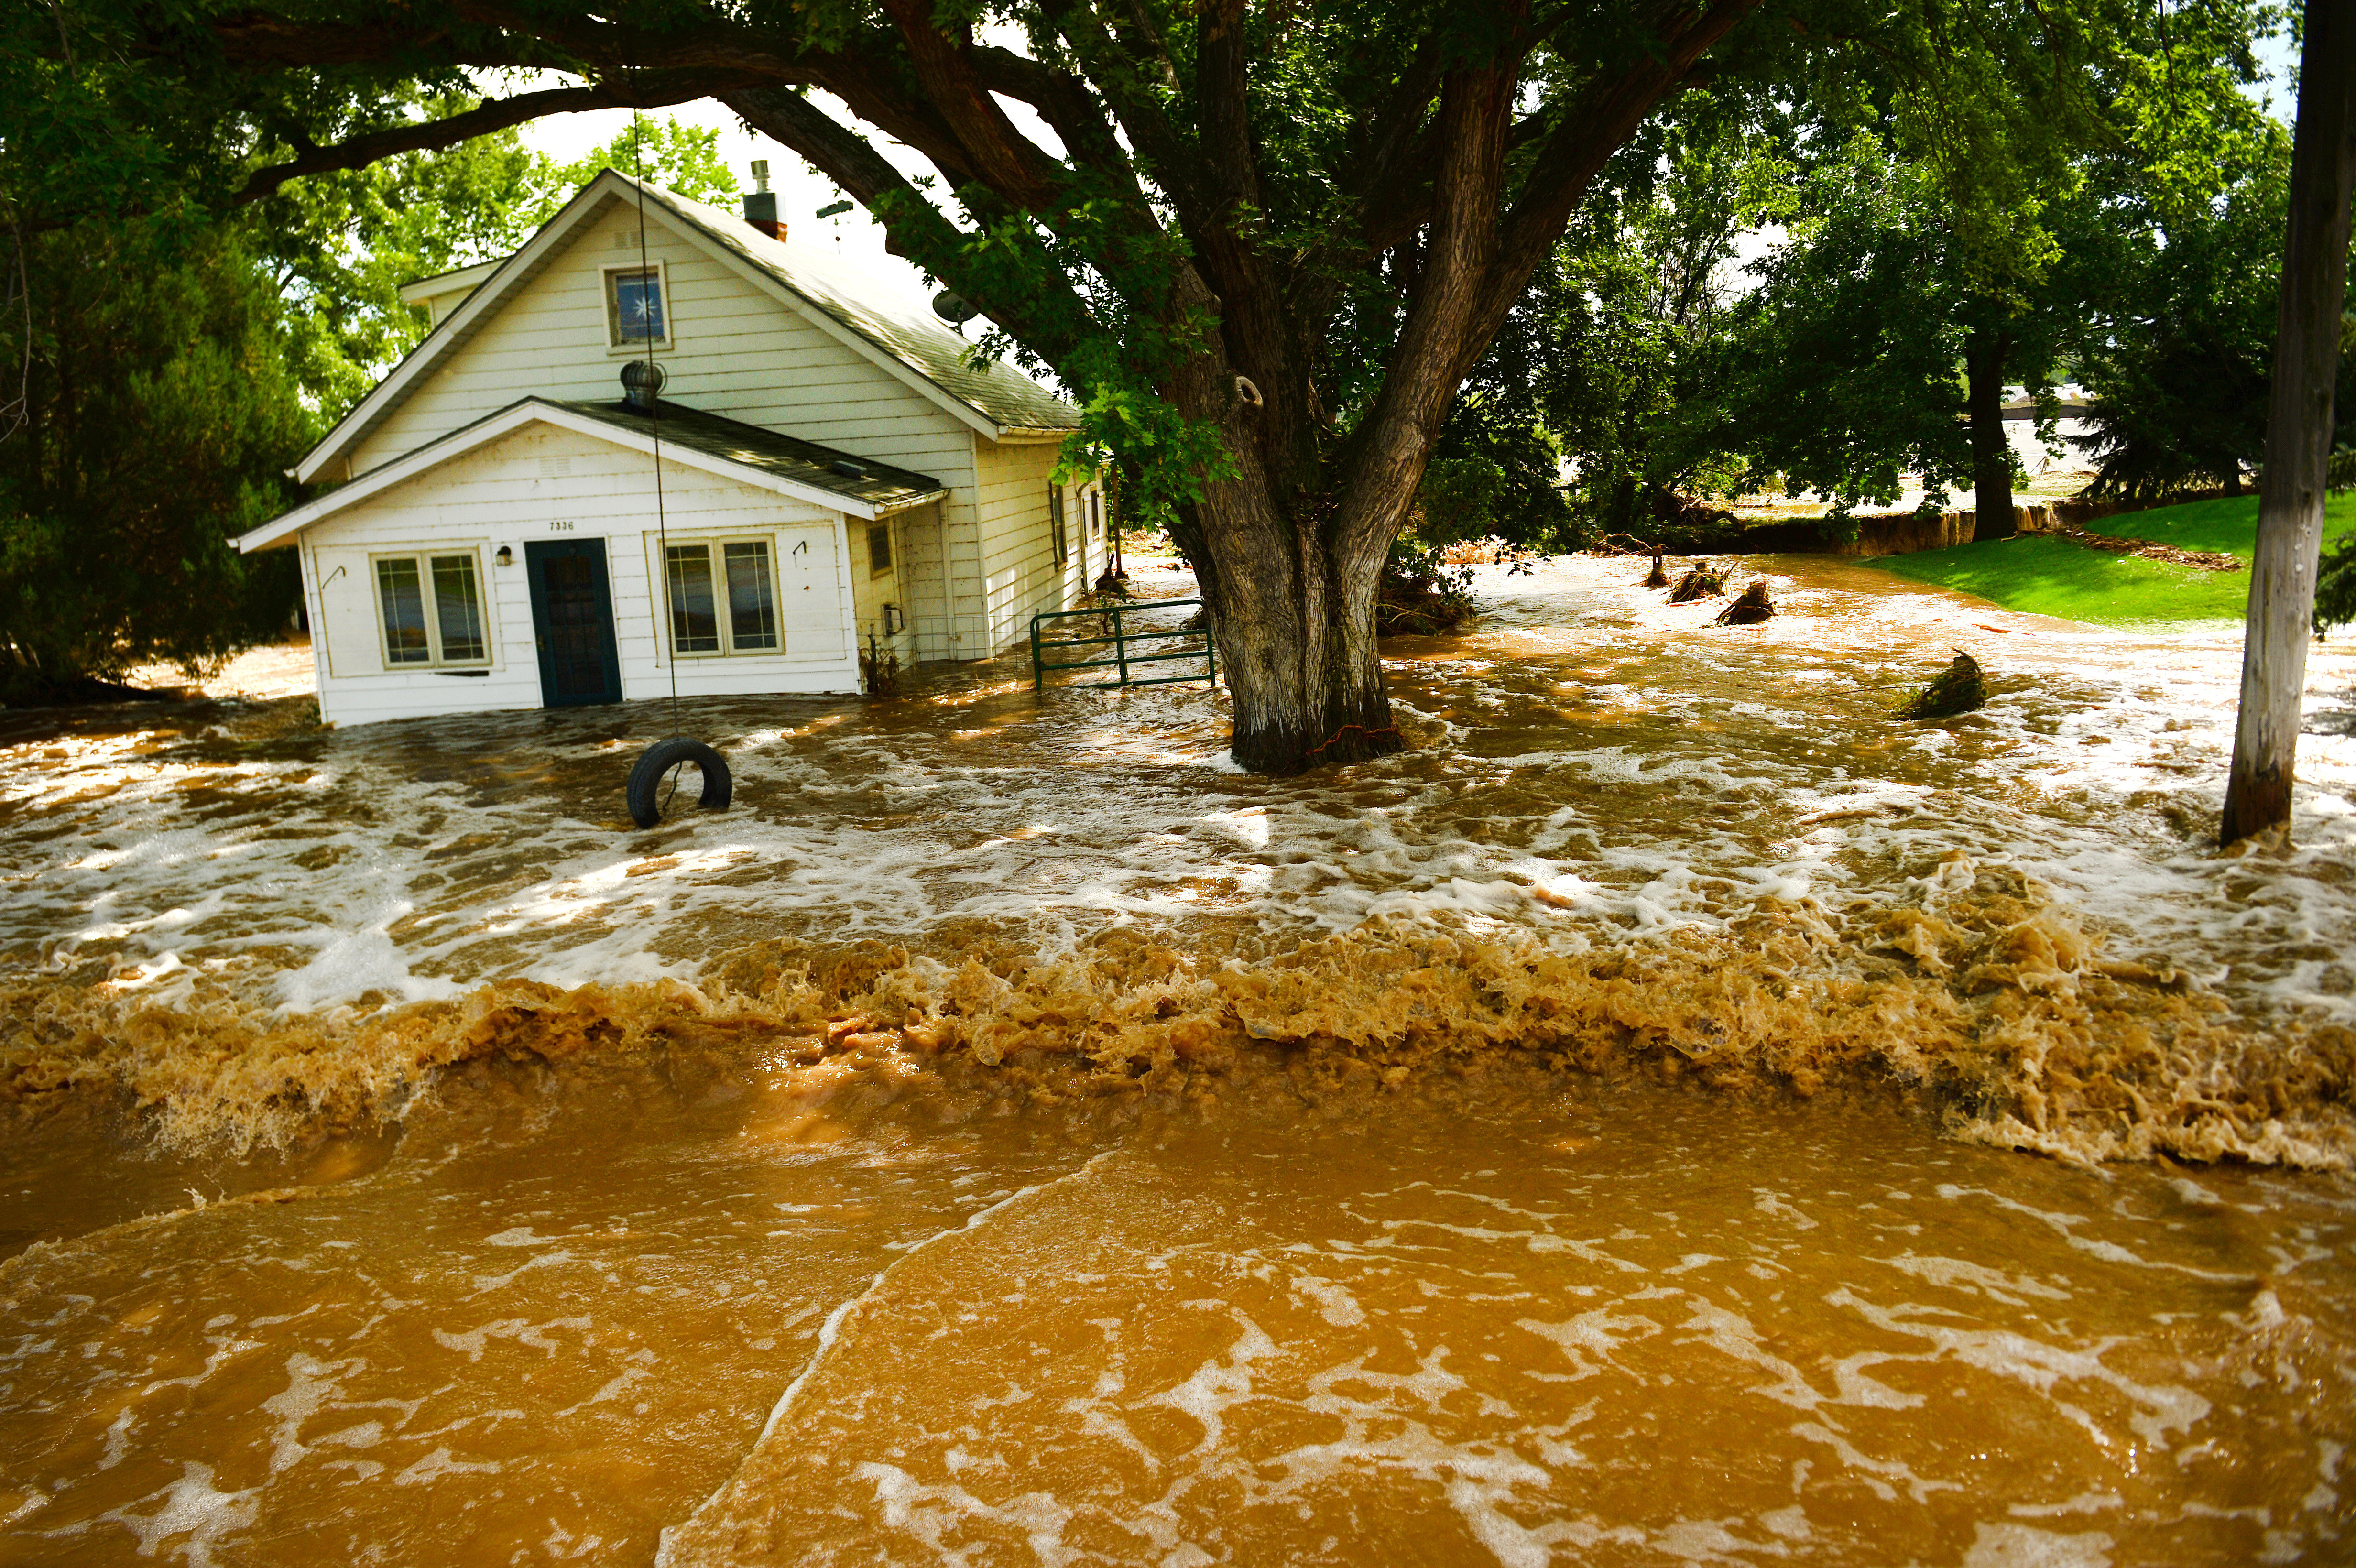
879, 484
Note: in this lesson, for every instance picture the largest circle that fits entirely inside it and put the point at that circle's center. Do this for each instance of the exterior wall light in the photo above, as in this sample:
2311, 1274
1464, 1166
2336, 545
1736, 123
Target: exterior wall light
505, 556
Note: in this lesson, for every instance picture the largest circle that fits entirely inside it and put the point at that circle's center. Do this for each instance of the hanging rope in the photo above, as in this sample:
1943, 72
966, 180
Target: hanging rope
653, 422
654, 777
654, 405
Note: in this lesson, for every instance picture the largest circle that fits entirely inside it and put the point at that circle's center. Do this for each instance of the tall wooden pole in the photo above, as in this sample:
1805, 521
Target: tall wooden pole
2298, 425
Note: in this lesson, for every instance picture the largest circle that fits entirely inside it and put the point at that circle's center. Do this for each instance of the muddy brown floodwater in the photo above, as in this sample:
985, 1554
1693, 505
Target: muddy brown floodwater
1675, 1113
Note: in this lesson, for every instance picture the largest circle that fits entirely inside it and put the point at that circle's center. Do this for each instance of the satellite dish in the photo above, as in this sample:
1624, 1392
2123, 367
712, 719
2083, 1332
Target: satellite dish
953, 309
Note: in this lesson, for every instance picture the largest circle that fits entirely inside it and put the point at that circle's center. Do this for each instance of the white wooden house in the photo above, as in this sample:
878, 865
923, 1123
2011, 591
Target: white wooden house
834, 476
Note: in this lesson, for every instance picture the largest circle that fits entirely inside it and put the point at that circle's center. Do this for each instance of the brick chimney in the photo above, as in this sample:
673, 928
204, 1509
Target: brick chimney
761, 203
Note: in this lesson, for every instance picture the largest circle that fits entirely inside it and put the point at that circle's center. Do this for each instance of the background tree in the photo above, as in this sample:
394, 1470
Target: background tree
1615, 335
2116, 239
151, 416
1840, 372
2175, 245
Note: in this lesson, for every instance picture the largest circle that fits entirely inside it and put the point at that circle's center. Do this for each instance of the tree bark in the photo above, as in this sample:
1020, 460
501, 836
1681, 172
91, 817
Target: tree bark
2299, 426
1984, 356
1295, 626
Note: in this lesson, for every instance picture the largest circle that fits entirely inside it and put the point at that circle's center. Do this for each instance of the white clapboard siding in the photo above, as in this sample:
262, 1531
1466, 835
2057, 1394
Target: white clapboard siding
736, 351
969, 571
1017, 576
911, 576
544, 482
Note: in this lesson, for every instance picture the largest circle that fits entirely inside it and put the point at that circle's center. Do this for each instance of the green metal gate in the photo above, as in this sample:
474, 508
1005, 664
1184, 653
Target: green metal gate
1120, 643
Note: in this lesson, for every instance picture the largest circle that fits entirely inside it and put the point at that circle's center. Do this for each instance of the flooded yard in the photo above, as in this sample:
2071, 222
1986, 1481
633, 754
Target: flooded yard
1675, 1112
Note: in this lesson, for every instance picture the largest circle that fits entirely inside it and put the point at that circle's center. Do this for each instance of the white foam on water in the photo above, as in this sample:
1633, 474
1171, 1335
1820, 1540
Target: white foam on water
354, 964
191, 1507
2019, 1546
884, 832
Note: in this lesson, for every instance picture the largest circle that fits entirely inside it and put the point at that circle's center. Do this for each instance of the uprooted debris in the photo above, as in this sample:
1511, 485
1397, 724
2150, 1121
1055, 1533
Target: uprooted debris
1420, 596
1958, 688
2151, 549
1703, 581
1752, 608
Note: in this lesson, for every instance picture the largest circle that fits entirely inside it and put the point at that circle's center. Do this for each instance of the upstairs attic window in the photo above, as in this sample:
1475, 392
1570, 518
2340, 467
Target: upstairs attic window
636, 311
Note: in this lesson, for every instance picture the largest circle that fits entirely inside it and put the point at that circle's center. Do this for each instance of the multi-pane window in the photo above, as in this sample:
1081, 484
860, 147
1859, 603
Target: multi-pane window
432, 610
634, 307
723, 597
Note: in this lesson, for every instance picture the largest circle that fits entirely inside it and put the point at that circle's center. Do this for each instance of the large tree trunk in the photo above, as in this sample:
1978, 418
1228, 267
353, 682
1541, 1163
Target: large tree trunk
1296, 638
1984, 355
2299, 426
1291, 603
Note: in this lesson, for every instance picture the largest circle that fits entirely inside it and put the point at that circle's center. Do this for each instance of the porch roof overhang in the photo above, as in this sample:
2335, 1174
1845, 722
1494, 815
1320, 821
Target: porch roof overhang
801, 470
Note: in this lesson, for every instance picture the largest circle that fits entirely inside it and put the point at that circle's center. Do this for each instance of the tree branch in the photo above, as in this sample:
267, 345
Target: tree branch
1001, 158
1603, 120
912, 226
356, 152
1387, 455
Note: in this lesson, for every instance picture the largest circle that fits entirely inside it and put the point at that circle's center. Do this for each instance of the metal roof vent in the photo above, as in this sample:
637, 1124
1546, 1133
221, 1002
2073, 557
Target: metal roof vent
642, 381
847, 469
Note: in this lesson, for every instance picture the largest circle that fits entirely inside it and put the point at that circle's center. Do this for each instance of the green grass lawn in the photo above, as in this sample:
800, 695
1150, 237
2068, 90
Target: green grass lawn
2045, 576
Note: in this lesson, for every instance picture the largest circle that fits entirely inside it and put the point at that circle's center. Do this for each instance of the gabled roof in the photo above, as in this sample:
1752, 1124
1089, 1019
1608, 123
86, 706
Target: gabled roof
802, 470
905, 328
455, 285
900, 336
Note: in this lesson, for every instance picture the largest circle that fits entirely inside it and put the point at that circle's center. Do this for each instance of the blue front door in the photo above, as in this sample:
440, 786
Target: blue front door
572, 620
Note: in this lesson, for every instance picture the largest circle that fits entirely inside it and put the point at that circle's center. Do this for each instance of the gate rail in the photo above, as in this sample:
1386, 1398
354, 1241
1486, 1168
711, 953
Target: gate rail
1121, 657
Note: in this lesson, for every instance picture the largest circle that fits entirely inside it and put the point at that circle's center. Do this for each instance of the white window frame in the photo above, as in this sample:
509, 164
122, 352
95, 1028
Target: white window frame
608, 313
726, 620
423, 557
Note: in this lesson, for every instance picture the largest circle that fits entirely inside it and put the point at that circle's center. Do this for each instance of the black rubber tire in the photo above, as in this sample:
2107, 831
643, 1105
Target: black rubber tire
647, 778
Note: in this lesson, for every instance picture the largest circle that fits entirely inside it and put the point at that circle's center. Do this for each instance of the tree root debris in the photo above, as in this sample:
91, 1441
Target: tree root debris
2111, 544
1753, 607
1703, 581
1958, 688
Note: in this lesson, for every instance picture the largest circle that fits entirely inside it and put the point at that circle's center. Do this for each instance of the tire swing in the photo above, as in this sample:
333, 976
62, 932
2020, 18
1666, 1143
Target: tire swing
654, 777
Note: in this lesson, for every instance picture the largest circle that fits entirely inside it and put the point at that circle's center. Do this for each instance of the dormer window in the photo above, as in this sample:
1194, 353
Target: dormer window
637, 307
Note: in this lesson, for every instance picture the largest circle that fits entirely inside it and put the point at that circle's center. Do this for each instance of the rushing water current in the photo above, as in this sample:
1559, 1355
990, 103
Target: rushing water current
1674, 1112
